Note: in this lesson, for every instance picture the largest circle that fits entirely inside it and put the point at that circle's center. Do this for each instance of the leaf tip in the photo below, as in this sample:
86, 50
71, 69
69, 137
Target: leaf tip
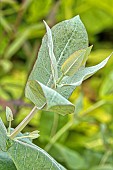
9, 114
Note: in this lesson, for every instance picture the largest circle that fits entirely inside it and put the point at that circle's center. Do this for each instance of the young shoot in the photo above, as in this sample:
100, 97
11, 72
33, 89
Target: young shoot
9, 117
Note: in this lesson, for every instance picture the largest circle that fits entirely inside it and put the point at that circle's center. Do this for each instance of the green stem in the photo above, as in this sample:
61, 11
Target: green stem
21, 126
58, 135
55, 124
59, 80
105, 157
69, 124
93, 107
9, 128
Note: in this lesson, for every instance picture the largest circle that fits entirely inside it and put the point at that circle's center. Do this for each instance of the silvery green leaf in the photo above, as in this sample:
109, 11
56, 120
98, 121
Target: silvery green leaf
73, 62
6, 163
9, 114
51, 53
24, 155
83, 74
68, 84
3, 136
35, 93
68, 37
31, 156
53, 100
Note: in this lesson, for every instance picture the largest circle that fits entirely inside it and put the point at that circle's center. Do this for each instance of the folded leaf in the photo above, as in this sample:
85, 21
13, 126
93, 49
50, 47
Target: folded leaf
75, 60
88, 50
40, 94
68, 84
51, 53
35, 93
72, 64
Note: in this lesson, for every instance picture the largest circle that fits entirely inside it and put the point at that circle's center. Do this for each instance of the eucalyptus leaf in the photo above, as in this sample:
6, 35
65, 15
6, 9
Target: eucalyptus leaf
20, 153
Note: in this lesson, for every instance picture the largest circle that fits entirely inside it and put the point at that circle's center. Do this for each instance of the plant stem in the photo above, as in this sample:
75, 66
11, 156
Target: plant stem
9, 128
58, 135
69, 124
21, 126
105, 157
55, 124
93, 107
59, 80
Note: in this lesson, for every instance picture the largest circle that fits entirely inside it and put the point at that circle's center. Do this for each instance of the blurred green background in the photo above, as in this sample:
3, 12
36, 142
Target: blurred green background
87, 144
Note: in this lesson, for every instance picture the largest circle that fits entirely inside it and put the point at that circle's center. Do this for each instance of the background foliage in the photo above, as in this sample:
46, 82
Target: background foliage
88, 143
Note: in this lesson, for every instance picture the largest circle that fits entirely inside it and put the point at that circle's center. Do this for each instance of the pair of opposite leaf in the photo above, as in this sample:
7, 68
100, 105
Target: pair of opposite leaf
72, 73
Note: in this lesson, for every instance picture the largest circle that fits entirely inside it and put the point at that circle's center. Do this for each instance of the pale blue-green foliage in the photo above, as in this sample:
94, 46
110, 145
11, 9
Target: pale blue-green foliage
53, 80
68, 37
75, 61
51, 54
41, 94
61, 41
9, 114
6, 162
22, 155
68, 84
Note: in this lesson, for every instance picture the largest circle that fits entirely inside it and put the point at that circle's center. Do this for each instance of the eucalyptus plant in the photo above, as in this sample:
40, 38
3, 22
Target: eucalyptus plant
59, 69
